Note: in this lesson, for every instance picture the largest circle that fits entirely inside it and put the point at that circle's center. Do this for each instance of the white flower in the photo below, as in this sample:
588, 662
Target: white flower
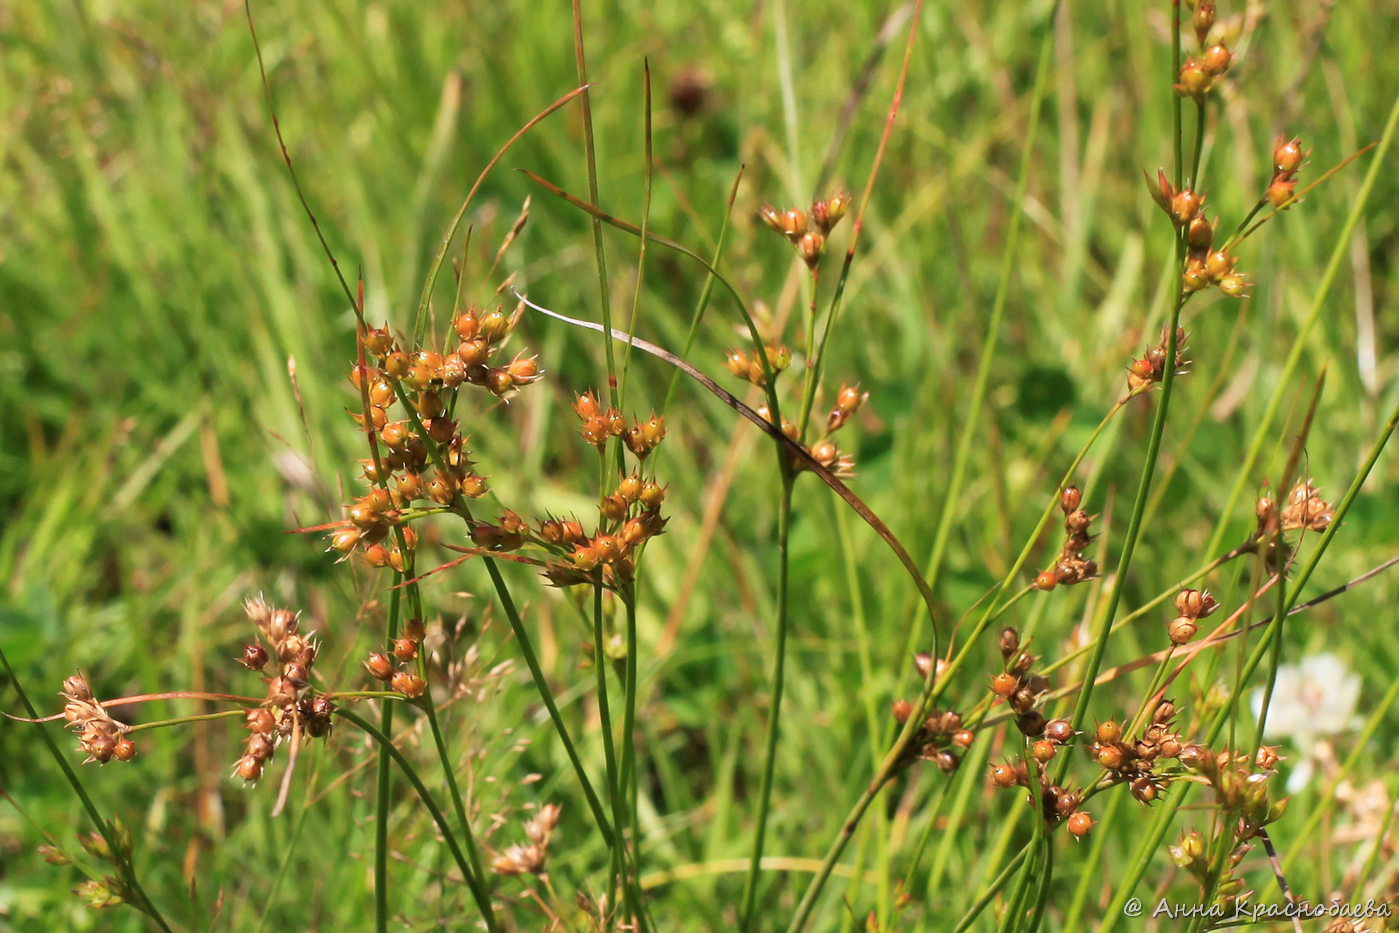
1311, 700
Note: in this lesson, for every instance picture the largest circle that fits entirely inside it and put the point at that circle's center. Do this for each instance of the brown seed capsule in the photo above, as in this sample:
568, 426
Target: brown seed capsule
902, 710
1070, 499
1059, 730
1108, 732
1004, 775
652, 495
1009, 642
124, 750
1080, 823
1199, 234
1202, 20
1185, 206
378, 340
1110, 757
261, 720
810, 247
1004, 685
1144, 789
630, 487
963, 738
76, 687
1030, 724
1047, 580
1043, 751
1023, 700
1181, 630
614, 508
494, 325
249, 768
1216, 60
410, 685
405, 649
380, 666
254, 657
1287, 155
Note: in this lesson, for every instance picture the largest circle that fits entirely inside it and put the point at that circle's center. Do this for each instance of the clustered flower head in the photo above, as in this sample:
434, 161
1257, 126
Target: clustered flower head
825, 450
943, 734
529, 859
389, 667
290, 704
628, 517
1240, 786
1150, 369
99, 735
1019, 687
1287, 159
1200, 72
1304, 510
600, 424
421, 455
1135, 760
807, 233
750, 366
1071, 566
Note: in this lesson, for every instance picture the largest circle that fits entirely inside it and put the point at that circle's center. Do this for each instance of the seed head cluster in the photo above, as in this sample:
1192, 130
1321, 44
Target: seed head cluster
529, 858
99, 735
1071, 566
290, 704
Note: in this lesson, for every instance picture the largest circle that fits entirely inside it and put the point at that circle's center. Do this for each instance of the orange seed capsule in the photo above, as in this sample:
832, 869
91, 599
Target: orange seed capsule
379, 665
410, 685
1216, 60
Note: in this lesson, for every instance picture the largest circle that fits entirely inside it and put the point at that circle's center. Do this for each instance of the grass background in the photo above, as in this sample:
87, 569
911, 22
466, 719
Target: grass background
156, 274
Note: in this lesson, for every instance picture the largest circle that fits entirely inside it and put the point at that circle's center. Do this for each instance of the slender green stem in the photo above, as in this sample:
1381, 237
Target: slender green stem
951, 494
121, 855
992, 889
478, 890
629, 765
847, 830
1134, 522
779, 666
590, 158
473, 851
1176, 102
710, 278
609, 753
546, 694
1339, 252
383, 788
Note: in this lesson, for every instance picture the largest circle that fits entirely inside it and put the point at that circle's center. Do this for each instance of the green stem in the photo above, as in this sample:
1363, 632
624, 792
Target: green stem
951, 495
1134, 522
609, 752
478, 891
473, 851
590, 159
383, 789
992, 890
784, 523
629, 767
125, 870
